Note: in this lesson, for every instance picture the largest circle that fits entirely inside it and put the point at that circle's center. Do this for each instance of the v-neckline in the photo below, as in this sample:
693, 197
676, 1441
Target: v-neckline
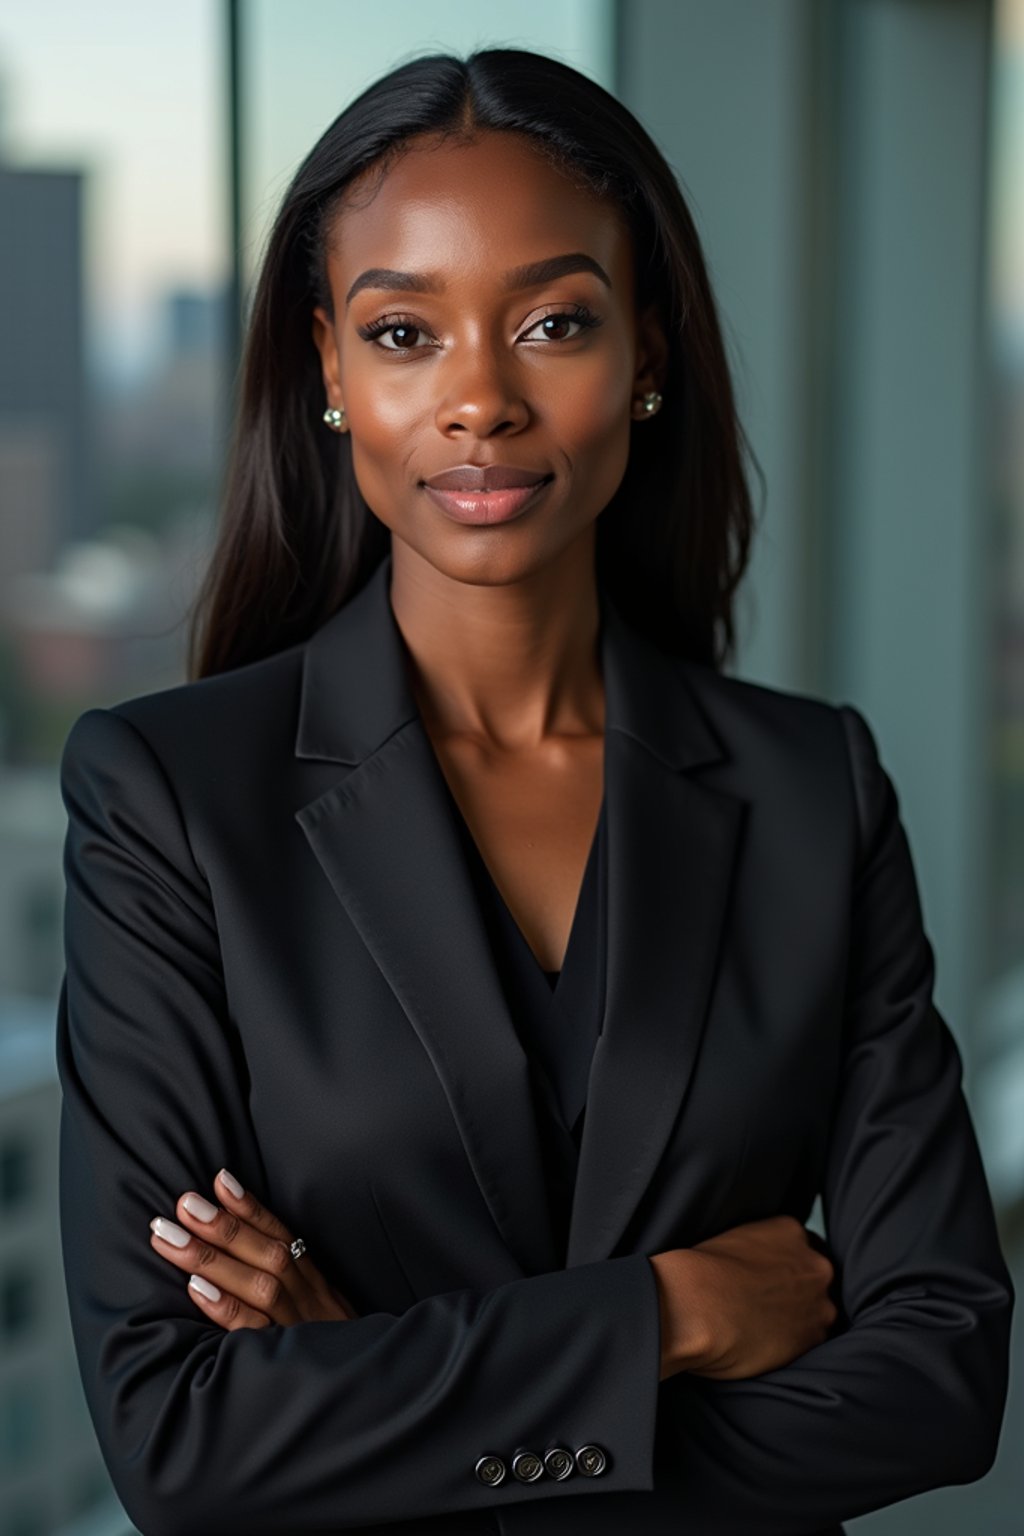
588, 871
573, 941
549, 1018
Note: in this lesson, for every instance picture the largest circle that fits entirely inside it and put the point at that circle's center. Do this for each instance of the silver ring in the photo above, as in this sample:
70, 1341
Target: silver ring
298, 1248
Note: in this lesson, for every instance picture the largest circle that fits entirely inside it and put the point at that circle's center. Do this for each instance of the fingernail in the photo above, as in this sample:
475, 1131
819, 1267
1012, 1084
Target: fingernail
170, 1231
198, 1207
205, 1287
231, 1183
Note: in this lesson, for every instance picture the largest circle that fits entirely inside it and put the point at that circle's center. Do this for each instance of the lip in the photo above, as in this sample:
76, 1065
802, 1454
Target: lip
483, 507
485, 477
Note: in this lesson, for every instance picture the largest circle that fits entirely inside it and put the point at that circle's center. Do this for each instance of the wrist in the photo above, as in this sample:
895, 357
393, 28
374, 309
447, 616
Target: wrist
684, 1331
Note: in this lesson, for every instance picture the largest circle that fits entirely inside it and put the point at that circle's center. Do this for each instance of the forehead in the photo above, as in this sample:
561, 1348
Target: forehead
463, 209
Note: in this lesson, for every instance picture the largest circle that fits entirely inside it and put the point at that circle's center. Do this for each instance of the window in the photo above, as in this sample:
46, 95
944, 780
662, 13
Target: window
16, 1174
21, 1423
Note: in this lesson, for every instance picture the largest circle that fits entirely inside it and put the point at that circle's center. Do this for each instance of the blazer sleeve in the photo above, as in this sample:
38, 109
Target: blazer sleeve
322, 1425
910, 1395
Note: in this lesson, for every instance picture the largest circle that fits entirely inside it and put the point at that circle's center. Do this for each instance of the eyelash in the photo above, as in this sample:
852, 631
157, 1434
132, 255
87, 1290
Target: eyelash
579, 313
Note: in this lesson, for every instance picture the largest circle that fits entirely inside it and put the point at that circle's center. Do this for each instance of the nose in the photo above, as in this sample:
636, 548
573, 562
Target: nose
481, 395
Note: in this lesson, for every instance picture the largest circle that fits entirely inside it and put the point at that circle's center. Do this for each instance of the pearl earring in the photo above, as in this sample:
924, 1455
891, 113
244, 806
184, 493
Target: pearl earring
335, 419
648, 405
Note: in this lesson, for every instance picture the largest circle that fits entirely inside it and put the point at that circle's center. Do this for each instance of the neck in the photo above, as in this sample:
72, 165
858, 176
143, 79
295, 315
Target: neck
510, 664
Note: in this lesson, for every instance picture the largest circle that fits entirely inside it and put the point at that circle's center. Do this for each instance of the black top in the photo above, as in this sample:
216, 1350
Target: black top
557, 1014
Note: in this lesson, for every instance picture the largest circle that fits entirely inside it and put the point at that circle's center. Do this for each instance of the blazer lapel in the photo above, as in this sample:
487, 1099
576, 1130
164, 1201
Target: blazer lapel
672, 842
383, 836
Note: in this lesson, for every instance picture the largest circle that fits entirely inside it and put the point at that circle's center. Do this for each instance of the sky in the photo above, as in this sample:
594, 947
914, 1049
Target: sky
131, 95
134, 96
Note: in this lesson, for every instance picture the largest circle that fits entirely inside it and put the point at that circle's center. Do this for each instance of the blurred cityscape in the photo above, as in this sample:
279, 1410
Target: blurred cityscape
108, 485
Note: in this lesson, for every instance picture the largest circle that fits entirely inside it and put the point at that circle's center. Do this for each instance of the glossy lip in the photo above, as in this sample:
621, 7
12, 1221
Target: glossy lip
485, 477
483, 507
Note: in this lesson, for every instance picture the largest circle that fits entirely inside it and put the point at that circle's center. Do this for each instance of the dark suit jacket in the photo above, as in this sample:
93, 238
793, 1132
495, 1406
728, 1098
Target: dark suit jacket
275, 963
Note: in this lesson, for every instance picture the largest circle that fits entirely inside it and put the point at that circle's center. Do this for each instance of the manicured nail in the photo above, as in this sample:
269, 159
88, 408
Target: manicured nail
170, 1231
198, 1207
231, 1183
204, 1287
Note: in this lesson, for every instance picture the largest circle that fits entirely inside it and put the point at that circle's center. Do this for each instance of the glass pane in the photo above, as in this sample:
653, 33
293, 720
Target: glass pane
114, 261
1007, 317
20, 1290
1000, 1087
292, 91
21, 1424
17, 1170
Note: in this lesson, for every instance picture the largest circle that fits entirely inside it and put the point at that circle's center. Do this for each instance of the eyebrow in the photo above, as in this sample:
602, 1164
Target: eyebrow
528, 276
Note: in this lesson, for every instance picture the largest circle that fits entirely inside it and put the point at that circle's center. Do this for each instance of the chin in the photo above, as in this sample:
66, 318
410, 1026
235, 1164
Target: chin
480, 557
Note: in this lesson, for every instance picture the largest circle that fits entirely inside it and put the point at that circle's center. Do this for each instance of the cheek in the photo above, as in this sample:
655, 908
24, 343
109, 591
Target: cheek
386, 405
383, 414
389, 406
592, 423
385, 424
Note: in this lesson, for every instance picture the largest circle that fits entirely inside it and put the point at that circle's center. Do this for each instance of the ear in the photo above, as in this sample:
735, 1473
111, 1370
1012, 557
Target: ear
326, 343
652, 352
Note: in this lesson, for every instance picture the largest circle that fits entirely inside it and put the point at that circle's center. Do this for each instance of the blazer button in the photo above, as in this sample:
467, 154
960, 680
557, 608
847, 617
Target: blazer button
527, 1466
559, 1462
490, 1470
591, 1460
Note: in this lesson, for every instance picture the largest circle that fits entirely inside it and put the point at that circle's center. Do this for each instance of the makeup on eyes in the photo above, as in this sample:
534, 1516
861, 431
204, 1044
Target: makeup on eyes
579, 314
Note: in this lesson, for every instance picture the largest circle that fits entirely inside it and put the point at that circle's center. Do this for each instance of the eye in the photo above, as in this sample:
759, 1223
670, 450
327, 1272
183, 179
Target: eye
403, 326
576, 314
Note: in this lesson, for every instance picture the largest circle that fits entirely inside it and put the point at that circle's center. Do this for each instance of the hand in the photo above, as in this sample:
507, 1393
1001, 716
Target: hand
749, 1300
244, 1253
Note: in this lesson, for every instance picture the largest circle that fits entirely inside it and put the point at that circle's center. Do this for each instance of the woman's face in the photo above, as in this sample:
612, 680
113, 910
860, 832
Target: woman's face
440, 356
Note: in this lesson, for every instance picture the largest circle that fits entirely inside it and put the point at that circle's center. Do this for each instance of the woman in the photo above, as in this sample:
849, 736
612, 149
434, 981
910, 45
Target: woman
468, 984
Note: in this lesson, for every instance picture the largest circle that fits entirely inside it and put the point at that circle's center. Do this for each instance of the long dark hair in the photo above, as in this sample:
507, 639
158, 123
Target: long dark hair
295, 538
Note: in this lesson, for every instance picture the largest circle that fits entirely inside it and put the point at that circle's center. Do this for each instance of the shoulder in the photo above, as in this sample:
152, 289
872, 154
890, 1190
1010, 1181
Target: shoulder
752, 716
804, 754
196, 725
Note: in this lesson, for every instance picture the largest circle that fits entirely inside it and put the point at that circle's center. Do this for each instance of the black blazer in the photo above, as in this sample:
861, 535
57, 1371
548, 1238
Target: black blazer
275, 962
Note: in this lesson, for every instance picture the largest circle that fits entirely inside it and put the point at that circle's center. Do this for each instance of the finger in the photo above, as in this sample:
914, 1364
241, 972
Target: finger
304, 1273
212, 1224
262, 1289
250, 1209
222, 1307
